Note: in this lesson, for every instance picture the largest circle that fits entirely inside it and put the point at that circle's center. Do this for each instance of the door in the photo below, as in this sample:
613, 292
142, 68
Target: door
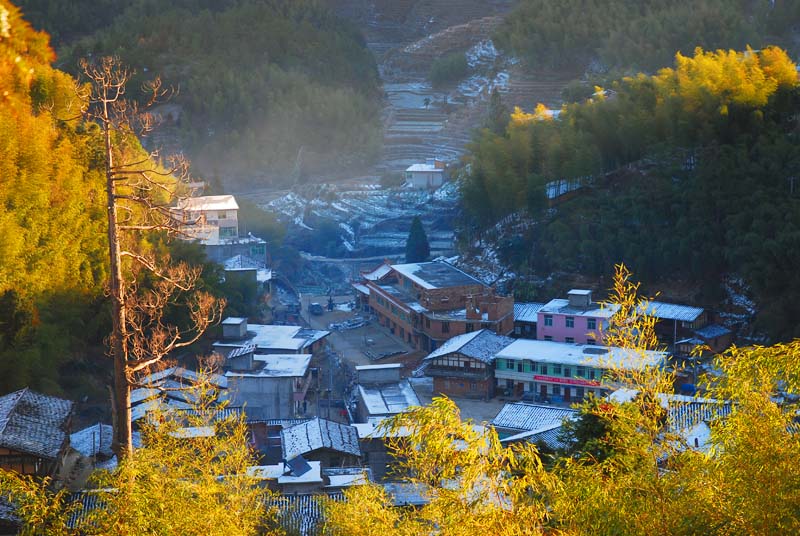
543, 391
566, 394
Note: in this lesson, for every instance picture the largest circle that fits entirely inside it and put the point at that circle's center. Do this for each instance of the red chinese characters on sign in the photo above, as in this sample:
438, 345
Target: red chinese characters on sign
568, 381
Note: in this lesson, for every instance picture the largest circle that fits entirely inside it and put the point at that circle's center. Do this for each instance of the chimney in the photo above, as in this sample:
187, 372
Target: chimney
580, 299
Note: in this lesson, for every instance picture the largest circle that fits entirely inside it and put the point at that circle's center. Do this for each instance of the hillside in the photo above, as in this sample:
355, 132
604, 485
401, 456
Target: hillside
684, 176
255, 103
52, 218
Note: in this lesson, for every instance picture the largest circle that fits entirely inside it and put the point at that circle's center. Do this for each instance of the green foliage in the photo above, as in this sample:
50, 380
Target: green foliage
67, 20
258, 81
638, 34
417, 247
263, 224
448, 69
700, 157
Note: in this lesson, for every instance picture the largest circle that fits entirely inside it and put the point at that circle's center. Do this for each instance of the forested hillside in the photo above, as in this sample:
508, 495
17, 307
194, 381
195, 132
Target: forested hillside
276, 89
689, 174
641, 34
52, 213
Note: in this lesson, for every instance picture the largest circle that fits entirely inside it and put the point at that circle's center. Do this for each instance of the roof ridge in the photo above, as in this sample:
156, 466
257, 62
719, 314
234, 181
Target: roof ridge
13, 407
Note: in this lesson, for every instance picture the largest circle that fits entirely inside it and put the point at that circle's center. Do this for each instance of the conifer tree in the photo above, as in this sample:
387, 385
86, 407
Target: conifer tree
417, 247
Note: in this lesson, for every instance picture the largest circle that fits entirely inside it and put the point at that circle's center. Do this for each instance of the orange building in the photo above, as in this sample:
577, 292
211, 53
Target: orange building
429, 303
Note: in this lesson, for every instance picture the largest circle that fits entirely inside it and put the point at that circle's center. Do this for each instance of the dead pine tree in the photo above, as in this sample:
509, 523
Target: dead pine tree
141, 193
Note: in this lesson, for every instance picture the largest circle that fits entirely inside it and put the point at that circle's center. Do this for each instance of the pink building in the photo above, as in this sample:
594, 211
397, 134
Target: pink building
577, 319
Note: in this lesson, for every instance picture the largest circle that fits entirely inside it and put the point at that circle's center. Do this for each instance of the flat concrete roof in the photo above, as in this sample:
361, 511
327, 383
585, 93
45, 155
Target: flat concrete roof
435, 274
604, 357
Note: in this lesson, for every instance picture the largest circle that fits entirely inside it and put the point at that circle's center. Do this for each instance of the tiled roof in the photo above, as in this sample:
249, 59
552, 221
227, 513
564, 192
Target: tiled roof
531, 417
93, 441
526, 312
301, 514
673, 311
34, 423
482, 345
712, 331
318, 434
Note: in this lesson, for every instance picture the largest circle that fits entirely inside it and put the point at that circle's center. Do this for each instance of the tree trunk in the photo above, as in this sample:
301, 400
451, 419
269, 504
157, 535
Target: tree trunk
123, 441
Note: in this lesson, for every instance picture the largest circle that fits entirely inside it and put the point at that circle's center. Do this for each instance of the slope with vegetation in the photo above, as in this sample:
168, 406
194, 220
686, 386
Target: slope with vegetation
640, 34
688, 174
265, 87
52, 213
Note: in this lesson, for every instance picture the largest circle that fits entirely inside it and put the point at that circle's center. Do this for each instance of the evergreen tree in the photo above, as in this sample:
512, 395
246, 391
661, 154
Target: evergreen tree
417, 247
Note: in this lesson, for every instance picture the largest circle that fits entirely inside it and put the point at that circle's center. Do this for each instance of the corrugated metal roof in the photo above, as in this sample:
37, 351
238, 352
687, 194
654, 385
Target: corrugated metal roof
34, 423
530, 417
526, 312
673, 311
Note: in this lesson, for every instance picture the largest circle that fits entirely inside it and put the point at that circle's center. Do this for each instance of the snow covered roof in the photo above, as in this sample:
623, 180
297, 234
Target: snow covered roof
280, 473
562, 306
429, 168
581, 354
276, 366
379, 367
435, 274
319, 434
277, 338
209, 202
34, 423
526, 312
377, 273
343, 477
549, 436
243, 262
388, 399
672, 311
94, 440
482, 345
363, 289
139, 411
531, 417
712, 331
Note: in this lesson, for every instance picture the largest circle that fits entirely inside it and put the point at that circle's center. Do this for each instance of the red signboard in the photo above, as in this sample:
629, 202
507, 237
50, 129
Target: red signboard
568, 381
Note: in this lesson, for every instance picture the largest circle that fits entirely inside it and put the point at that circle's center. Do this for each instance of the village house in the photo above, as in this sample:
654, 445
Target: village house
209, 218
171, 389
213, 221
464, 365
331, 443
520, 421
526, 315
269, 386
576, 319
268, 339
682, 328
429, 175
34, 433
563, 372
380, 392
427, 303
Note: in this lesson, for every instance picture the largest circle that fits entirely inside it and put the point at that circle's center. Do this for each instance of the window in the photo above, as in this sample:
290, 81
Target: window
445, 327
590, 341
570, 321
227, 232
548, 337
567, 372
222, 215
469, 329
591, 323
580, 372
591, 374
520, 366
556, 390
544, 369
548, 320
579, 392
517, 329
473, 386
569, 339
510, 364
556, 369
428, 323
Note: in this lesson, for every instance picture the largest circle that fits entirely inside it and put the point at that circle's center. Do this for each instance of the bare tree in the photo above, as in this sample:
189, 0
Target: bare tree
141, 192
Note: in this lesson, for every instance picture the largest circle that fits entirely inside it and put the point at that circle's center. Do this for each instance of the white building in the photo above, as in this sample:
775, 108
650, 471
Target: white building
429, 175
274, 388
210, 219
560, 371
